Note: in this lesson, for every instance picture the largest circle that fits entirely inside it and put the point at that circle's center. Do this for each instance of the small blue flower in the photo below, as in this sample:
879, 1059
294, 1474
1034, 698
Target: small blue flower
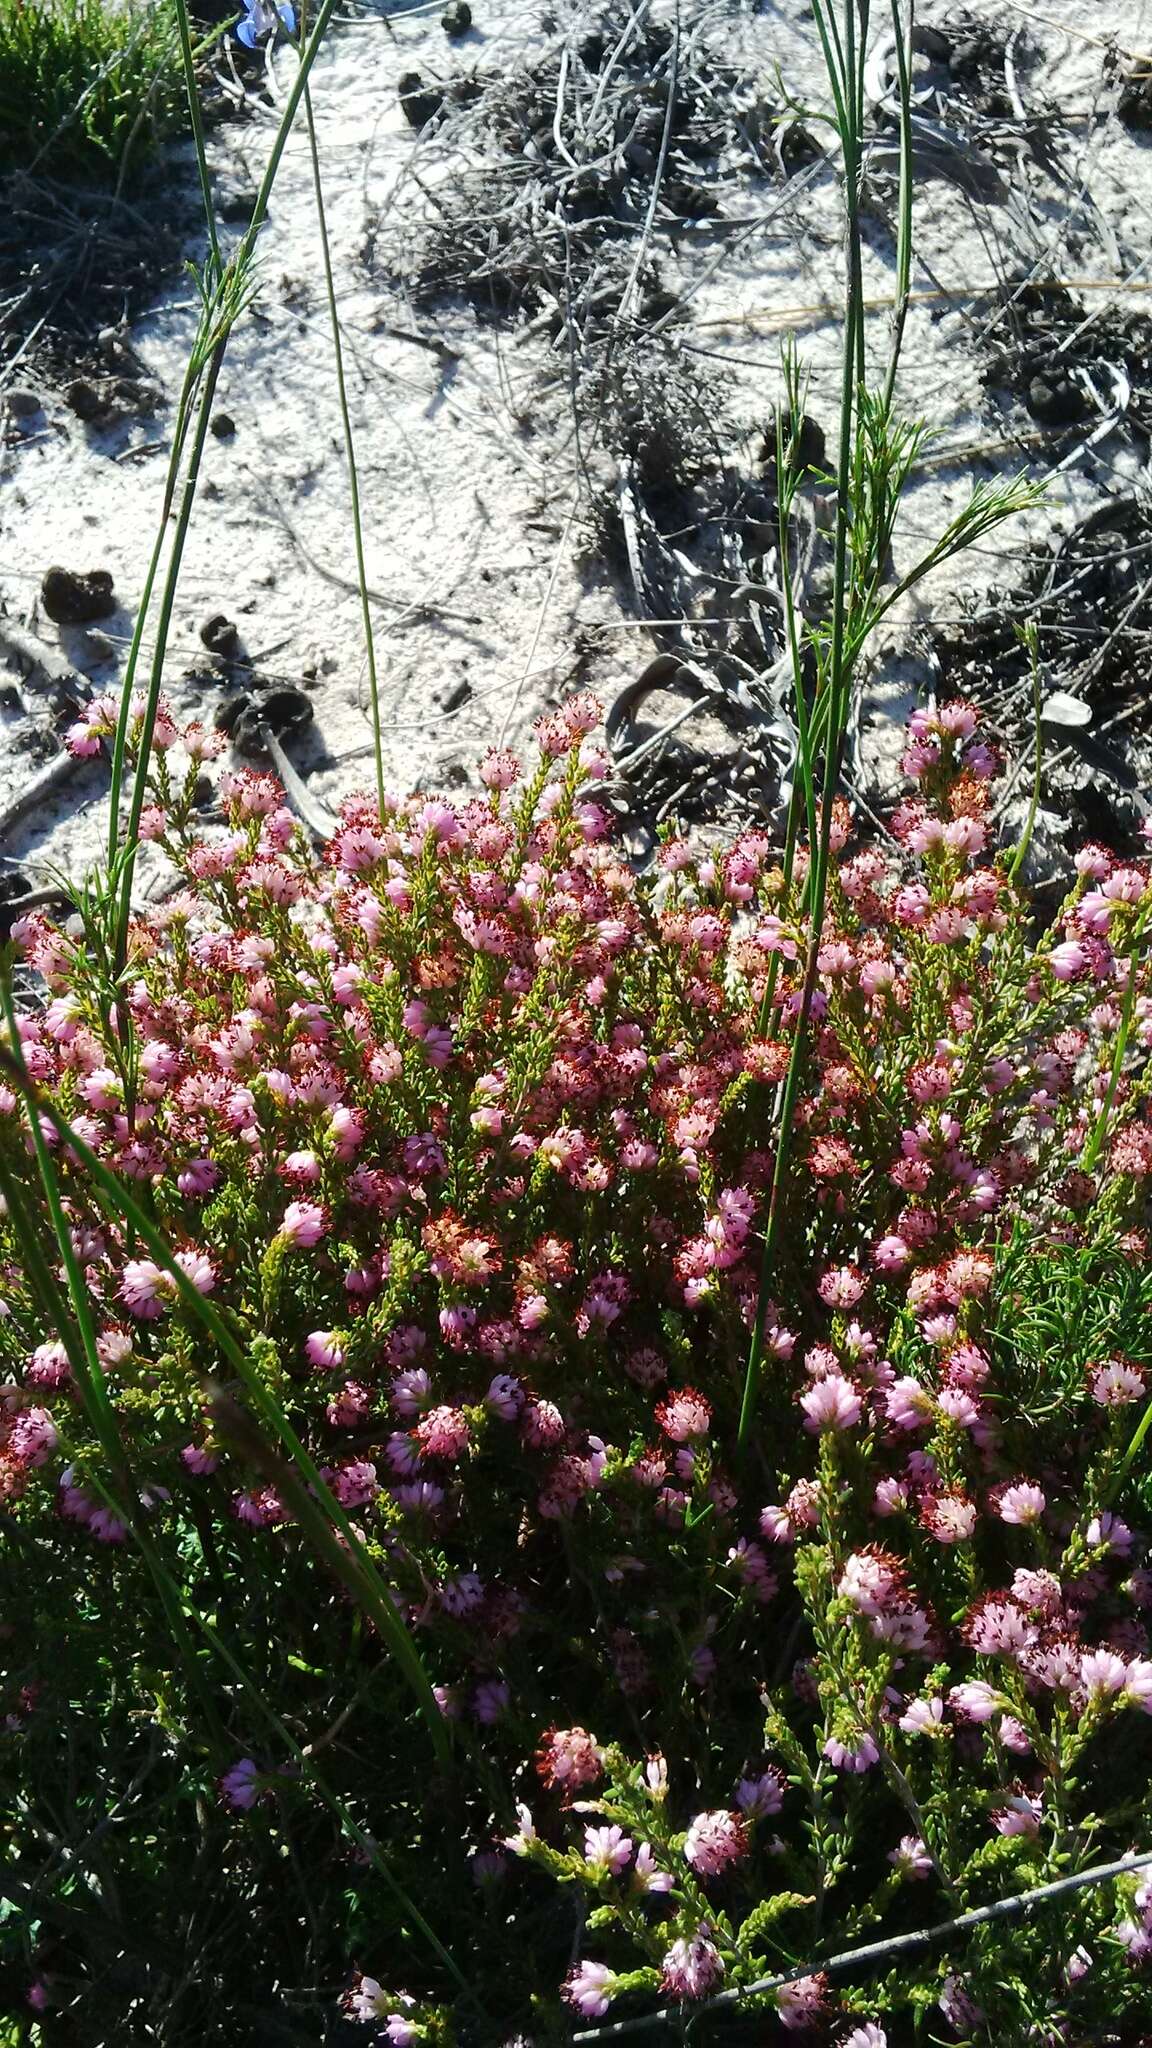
261, 18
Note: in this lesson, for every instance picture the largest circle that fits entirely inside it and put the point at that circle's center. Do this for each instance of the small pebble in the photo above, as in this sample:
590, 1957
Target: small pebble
1056, 401
456, 19
74, 600
223, 425
220, 637
84, 400
23, 405
236, 203
420, 102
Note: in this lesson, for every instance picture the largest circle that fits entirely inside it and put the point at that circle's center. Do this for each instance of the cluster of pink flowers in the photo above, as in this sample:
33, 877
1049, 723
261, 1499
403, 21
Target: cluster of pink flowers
471, 1128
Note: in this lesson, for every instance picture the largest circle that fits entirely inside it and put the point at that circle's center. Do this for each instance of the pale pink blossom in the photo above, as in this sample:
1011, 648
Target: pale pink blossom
589, 1989
1021, 1816
715, 1840
569, 1758
802, 2003
1022, 1503
1116, 1384
924, 1717
692, 1968
910, 1858
647, 1874
974, 1701
831, 1404
303, 1225
607, 1851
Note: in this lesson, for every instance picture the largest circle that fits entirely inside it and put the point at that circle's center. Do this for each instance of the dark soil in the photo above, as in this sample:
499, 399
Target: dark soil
78, 260
1069, 367
74, 262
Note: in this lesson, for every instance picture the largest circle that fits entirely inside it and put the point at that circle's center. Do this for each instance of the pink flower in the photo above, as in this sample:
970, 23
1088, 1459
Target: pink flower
908, 1405
1102, 1673
325, 1350
1022, 1503
841, 1287
505, 1397
857, 1760
760, 1796
142, 1287
303, 1225
890, 1254
147, 1288
1067, 961
831, 1403
1138, 1683
410, 1389
196, 1268
443, 1433
607, 1851
589, 1989
48, 1366
1107, 1529
569, 1758
647, 1874
948, 1517
33, 1437
198, 1459
974, 1701
959, 2009
1021, 1816
198, 1177
1116, 1384
714, 1840
684, 1415
399, 2028
890, 1497
803, 2002
692, 1968
356, 1484
525, 1835
910, 1858
923, 1717
499, 770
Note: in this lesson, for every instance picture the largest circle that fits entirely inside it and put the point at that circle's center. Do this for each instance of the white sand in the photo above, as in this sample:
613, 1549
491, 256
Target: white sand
468, 469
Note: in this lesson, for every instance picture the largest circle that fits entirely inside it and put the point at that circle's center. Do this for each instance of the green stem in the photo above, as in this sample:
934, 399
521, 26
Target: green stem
349, 451
123, 723
837, 679
198, 135
223, 302
163, 627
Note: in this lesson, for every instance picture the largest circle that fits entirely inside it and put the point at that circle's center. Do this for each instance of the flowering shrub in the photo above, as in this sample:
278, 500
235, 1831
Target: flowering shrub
465, 1134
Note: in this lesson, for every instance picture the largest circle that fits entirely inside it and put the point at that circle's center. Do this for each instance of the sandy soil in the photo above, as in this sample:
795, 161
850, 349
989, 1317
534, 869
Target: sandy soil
474, 482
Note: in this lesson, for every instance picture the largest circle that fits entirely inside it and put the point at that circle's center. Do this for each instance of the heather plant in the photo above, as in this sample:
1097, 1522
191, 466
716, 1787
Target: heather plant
441, 1156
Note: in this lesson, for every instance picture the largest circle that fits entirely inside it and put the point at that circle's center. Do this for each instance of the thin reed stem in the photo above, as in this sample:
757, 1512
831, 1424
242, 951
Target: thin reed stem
194, 115
844, 72
349, 452
224, 297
